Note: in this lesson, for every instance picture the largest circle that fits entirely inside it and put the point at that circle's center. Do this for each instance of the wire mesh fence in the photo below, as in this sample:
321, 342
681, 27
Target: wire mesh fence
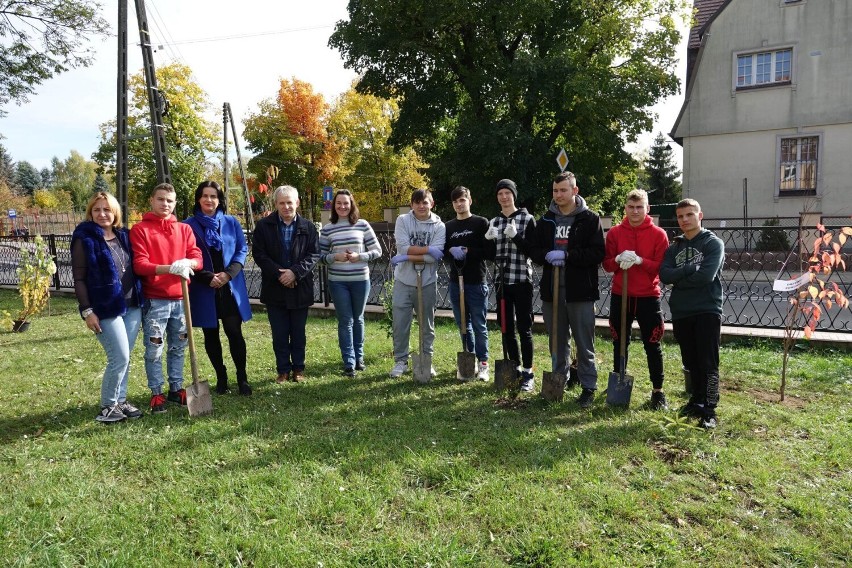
755, 256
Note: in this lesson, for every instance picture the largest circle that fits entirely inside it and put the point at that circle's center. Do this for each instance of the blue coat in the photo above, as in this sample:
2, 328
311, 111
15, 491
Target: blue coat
202, 299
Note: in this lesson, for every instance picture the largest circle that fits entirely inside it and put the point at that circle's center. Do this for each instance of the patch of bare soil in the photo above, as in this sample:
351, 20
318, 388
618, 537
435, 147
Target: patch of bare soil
789, 401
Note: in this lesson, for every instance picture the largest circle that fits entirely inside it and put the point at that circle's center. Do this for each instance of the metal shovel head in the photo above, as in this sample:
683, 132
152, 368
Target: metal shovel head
198, 399
505, 374
553, 386
466, 363
422, 367
618, 389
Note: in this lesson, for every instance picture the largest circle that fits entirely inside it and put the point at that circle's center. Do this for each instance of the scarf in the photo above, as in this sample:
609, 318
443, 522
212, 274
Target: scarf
211, 228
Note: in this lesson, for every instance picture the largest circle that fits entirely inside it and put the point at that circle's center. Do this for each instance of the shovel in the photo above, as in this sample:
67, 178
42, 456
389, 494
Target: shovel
465, 360
198, 399
505, 370
422, 361
620, 384
553, 383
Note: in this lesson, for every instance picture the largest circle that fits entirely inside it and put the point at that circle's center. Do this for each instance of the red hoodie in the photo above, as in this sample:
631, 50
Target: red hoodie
158, 241
647, 241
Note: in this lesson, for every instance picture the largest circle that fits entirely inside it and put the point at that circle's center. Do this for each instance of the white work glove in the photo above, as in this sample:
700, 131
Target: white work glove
492, 233
511, 229
182, 268
626, 264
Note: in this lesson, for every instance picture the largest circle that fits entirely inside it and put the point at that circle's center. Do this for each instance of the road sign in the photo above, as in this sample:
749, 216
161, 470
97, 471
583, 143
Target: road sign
562, 160
12, 213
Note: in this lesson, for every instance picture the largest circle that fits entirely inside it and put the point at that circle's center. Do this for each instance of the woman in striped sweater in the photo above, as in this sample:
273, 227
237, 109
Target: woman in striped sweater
347, 244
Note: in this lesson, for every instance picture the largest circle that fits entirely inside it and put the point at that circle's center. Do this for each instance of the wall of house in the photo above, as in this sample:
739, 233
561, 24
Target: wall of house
718, 163
729, 135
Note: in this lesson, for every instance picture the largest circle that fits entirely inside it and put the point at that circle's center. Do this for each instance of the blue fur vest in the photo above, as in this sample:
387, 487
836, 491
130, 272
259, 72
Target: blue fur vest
102, 278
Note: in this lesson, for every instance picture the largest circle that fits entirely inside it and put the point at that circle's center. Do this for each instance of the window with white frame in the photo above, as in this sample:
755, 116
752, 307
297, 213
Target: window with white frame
764, 68
798, 165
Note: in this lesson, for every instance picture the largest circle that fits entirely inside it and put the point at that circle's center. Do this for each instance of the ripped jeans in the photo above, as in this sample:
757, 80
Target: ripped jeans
164, 319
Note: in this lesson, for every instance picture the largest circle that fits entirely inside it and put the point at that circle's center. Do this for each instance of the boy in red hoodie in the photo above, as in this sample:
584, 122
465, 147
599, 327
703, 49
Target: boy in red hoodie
638, 246
164, 251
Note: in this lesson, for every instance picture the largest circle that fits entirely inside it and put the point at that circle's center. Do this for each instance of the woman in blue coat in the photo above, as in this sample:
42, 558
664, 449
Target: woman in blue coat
218, 290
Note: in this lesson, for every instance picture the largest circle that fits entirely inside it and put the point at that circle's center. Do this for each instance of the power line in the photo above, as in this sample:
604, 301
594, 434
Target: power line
248, 35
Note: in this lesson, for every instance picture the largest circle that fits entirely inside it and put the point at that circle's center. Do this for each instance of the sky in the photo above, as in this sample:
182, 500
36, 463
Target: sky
238, 53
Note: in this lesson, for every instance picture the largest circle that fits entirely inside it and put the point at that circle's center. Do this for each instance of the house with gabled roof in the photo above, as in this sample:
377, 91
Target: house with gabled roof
766, 122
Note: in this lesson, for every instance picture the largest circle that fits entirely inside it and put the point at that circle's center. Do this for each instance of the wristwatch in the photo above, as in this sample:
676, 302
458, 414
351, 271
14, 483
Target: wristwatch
87, 312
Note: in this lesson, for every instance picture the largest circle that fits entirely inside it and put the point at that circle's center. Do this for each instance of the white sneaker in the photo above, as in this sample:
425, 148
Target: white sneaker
482, 374
432, 372
399, 369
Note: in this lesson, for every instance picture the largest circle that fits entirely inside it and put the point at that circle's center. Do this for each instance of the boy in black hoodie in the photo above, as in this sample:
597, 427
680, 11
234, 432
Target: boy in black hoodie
693, 266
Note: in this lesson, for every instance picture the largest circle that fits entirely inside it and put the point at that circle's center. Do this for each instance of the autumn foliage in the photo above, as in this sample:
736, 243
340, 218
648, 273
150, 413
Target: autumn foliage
806, 307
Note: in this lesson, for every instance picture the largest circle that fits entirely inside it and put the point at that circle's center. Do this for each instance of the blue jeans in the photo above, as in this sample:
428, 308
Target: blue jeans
288, 337
117, 336
350, 299
475, 297
163, 319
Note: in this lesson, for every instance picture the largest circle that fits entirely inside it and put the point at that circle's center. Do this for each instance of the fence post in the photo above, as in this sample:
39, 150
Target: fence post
51, 246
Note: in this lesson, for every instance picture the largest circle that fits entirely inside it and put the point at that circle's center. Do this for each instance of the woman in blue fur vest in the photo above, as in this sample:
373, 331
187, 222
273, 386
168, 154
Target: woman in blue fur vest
109, 296
218, 289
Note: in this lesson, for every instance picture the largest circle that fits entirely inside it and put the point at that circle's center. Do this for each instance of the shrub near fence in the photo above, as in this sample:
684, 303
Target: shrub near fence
747, 276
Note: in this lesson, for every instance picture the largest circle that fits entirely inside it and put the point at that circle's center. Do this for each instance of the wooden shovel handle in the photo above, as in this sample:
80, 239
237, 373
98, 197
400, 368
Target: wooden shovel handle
193, 362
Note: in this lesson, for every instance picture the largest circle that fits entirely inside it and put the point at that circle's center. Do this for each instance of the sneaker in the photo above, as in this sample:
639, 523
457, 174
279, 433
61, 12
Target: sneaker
658, 401
527, 382
432, 372
708, 421
109, 414
348, 372
399, 369
129, 410
482, 374
360, 365
586, 398
177, 397
158, 403
691, 410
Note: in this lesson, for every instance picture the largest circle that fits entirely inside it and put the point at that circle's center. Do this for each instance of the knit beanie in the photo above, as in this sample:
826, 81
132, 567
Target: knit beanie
508, 184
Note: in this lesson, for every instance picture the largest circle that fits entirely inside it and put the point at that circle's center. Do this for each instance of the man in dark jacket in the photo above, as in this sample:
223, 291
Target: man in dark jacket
286, 248
693, 267
570, 236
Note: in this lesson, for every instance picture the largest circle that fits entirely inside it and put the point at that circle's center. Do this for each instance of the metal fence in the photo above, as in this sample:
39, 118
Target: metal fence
755, 257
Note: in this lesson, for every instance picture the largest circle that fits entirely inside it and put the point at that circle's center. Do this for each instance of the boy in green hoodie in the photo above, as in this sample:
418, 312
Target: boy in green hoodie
693, 267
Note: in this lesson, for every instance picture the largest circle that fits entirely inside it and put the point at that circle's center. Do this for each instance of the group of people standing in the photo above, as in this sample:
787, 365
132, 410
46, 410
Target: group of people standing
568, 242
127, 279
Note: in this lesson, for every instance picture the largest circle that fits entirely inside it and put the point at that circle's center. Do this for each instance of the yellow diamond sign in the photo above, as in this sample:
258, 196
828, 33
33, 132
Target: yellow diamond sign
562, 159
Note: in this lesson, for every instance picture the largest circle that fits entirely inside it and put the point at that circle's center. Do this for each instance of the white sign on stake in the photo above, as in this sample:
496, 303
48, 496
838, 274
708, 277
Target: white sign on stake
790, 285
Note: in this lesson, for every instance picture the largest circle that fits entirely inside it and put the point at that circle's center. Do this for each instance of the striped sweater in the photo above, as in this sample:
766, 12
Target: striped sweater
342, 236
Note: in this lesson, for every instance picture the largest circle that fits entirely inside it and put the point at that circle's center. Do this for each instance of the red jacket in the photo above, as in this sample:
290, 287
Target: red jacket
158, 241
647, 241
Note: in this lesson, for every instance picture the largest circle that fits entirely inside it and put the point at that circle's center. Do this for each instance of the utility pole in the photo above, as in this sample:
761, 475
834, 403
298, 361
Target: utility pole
228, 117
155, 103
155, 99
121, 112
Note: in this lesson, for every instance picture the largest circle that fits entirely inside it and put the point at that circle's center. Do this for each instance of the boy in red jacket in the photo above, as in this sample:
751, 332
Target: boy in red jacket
637, 245
164, 251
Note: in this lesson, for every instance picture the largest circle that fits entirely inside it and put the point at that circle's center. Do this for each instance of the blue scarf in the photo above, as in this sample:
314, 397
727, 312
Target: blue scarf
211, 228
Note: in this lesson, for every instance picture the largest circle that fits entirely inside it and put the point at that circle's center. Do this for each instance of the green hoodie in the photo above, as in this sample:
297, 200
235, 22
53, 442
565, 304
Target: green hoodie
694, 267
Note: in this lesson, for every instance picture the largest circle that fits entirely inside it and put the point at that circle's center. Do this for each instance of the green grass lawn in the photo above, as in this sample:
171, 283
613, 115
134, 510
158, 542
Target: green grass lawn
375, 471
